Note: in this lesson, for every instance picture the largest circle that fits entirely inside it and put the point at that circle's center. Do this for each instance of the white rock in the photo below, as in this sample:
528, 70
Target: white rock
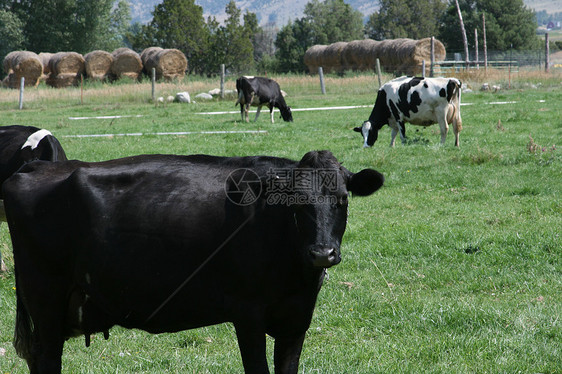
204, 96
183, 97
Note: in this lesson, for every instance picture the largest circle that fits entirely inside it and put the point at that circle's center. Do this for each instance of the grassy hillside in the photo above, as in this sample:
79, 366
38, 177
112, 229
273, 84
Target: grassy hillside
454, 266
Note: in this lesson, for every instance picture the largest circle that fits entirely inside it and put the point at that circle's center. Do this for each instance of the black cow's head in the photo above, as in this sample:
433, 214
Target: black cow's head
369, 133
286, 114
378, 118
321, 187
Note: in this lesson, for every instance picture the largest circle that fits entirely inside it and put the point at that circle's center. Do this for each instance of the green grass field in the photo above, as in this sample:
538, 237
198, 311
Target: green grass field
454, 266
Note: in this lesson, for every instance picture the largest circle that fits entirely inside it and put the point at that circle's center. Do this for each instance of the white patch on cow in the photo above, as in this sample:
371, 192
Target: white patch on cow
81, 310
249, 76
365, 131
34, 139
88, 279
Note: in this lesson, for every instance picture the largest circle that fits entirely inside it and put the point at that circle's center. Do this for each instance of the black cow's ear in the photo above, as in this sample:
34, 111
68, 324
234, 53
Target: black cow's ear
365, 182
357, 129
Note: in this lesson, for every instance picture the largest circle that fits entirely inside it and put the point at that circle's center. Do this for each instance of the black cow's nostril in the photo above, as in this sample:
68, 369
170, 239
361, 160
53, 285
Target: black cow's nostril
324, 257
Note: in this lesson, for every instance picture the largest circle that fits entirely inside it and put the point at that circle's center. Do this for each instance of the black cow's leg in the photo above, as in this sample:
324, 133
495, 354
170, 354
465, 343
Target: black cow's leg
287, 354
46, 352
251, 342
402, 132
257, 113
247, 112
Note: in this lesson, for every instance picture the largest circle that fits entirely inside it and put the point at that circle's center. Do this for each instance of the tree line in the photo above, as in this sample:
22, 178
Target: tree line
244, 46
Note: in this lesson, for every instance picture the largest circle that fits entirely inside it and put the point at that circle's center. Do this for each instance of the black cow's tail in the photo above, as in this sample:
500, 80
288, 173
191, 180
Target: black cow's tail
55, 152
23, 334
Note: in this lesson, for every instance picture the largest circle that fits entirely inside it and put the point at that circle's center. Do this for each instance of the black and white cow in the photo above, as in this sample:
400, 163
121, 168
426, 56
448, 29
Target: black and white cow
260, 91
22, 144
419, 101
243, 240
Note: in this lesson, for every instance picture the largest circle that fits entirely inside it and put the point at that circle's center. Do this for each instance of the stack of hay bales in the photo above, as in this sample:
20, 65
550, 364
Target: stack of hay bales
313, 57
403, 56
356, 55
333, 57
66, 69
45, 57
98, 65
146, 54
24, 64
126, 63
168, 63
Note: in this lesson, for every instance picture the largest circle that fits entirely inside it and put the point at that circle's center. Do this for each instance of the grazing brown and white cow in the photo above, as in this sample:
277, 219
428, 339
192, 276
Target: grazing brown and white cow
419, 101
259, 91
231, 239
22, 144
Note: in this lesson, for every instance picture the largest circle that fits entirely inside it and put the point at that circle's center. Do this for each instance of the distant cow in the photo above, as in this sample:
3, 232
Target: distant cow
419, 101
259, 91
21, 144
243, 240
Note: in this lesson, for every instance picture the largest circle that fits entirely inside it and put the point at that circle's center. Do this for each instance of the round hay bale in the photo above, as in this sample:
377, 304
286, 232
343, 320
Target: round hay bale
63, 80
350, 56
422, 52
24, 64
67, 63
313, 56
98, 64
126, 63
332, 59
358, 55
148, 52
368, 54
45, 57
168, 63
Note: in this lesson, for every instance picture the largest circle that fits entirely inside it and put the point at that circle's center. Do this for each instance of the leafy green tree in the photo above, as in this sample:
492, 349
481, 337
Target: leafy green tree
239, 48
231, 44
324, 22
292, 42
333, 21
178, 24
49, 25
119, 24
508, 23
253, 31
11, 35
91, 24
416, 19
71, 25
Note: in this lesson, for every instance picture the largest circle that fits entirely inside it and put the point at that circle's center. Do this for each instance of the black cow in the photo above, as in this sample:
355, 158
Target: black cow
243, 240
21, 144
259, 91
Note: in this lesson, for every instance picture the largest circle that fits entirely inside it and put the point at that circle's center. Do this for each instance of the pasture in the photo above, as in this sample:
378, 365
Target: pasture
454, 266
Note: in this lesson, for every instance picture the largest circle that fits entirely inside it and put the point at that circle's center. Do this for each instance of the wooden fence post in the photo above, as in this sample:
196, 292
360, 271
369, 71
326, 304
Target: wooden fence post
378, 67
222, 80
546, 53
485, 46
322, 85
22, 84
153, 83
476, 47
432, 67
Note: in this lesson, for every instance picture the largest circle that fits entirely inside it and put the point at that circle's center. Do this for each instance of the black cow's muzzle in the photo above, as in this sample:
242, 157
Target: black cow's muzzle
324, 256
